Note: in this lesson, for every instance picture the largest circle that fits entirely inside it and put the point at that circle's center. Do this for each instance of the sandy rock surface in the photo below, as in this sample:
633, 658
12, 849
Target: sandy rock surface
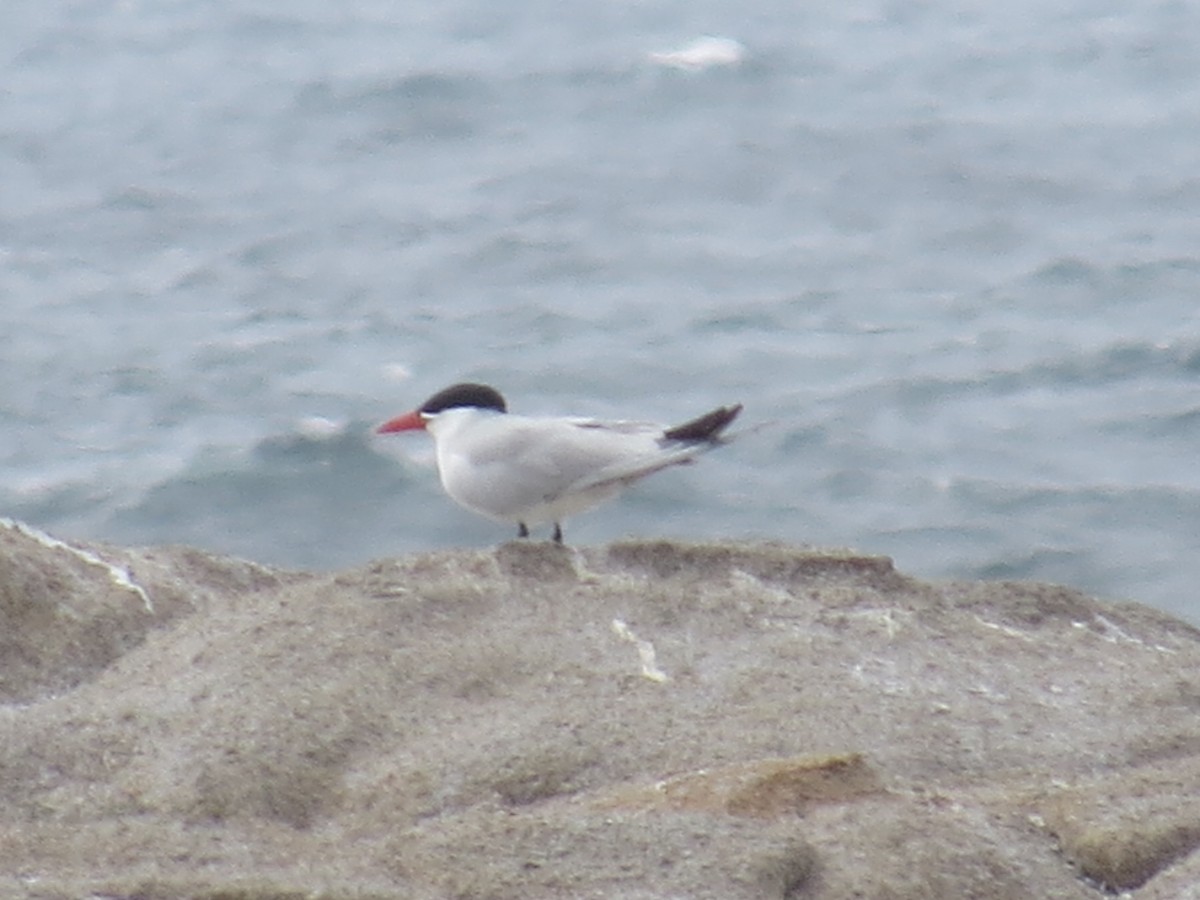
642, 720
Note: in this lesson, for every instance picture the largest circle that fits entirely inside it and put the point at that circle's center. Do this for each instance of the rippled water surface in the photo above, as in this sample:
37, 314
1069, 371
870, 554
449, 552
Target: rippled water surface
950, 251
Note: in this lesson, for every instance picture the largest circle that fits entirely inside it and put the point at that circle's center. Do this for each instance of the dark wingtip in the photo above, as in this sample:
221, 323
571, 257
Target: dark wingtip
706, 428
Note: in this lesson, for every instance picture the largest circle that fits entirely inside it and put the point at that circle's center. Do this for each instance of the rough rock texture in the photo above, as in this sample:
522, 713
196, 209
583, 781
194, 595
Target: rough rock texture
637, 721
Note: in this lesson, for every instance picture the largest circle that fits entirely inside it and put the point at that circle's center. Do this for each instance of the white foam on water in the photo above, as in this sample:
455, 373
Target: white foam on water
705, 52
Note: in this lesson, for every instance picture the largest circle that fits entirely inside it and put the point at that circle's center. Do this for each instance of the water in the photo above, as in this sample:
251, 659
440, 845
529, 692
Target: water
950, 251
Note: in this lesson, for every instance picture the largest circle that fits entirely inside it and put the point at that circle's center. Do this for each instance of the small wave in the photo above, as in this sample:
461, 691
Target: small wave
703, 53
137, 198
1185, 424
320, 428
412, 106
315, 441
295, 498
1134, 501
1113, 363
1042, 563
1092, 281
1117, 361
410, 88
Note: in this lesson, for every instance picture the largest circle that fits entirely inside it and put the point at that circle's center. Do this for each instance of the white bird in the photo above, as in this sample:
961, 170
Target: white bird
531, 470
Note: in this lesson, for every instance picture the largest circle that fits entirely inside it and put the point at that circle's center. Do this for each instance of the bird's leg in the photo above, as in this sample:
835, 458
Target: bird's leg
522, 531
557, 533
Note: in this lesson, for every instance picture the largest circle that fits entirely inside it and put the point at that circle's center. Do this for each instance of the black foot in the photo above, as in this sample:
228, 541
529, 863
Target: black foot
557, 533
522, 531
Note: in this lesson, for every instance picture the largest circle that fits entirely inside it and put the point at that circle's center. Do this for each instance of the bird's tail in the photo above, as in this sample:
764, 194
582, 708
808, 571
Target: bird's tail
706, 429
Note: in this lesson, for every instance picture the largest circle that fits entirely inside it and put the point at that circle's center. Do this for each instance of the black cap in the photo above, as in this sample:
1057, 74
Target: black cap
477, 396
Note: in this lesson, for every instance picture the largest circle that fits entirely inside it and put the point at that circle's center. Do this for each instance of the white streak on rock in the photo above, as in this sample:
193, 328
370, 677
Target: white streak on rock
1004, 629
118, 574
645, 651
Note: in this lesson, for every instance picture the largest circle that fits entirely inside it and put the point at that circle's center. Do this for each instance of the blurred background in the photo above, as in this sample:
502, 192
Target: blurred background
950, 250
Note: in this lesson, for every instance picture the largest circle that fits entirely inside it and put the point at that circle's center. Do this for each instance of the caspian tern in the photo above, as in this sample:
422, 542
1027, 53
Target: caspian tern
529, 471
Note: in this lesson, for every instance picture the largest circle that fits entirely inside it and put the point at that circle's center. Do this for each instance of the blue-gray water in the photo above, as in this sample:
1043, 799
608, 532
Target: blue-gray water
951, 250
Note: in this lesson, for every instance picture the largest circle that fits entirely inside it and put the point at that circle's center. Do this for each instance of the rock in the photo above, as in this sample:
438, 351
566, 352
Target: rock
765, 788
643, 720
1123, 828
65, 614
